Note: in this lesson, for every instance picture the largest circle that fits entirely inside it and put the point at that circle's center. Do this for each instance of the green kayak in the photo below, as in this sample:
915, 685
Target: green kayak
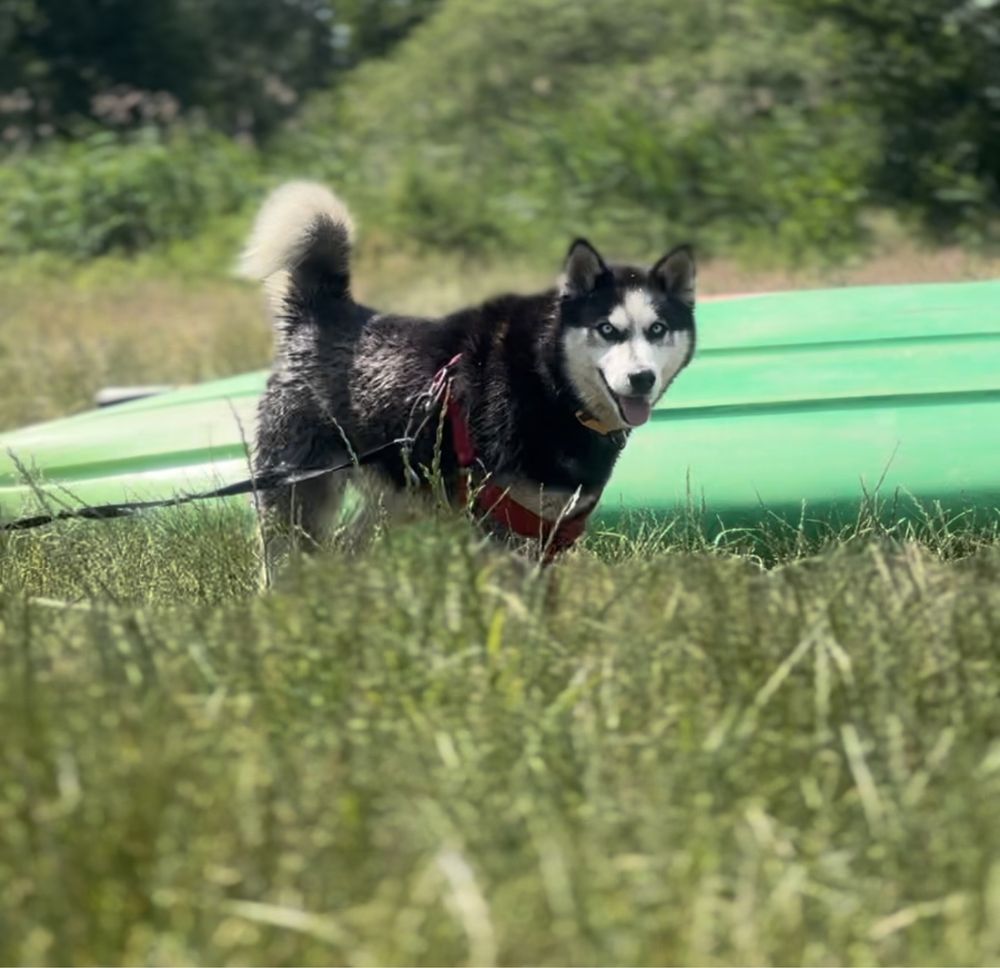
808, 399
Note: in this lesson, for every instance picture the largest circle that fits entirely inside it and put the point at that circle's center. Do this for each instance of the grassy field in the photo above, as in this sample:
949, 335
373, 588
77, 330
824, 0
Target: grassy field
661, 752
432, 759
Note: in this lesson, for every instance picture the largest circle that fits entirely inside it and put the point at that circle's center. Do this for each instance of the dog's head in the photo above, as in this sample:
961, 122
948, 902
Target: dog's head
626, 332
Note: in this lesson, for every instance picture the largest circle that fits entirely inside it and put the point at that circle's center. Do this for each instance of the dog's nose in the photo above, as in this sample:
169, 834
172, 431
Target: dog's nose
642, 382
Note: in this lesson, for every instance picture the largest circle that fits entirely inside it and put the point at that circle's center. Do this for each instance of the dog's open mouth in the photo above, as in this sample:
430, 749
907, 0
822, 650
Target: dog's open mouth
634, 411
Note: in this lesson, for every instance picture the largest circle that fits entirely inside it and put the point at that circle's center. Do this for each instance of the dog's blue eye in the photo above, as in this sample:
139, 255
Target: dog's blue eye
656, 330
607, 330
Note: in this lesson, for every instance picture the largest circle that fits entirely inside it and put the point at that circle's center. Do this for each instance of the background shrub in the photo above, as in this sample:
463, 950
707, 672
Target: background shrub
502, 125
762, 128
104, 194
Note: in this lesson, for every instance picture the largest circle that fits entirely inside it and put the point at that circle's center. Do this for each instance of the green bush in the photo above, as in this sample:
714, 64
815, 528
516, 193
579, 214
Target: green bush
927, 71
242, 64
516, 123
759, 128
104, 194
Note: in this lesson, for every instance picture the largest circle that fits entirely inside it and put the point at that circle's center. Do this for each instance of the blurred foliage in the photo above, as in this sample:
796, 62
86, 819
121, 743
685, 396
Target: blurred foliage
928, 74
371, 28
245, 64
103, 194
769, 129
420, 756
500, 125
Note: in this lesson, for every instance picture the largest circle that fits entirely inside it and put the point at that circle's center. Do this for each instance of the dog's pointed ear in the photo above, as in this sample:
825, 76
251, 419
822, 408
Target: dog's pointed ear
676, 274
584, 269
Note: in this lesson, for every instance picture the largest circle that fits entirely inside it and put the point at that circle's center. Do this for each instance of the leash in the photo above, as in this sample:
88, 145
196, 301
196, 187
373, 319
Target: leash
490, 499
271, 480
268, 481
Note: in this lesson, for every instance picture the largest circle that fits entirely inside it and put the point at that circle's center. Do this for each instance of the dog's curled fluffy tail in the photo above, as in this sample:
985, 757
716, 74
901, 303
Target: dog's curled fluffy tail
301, 240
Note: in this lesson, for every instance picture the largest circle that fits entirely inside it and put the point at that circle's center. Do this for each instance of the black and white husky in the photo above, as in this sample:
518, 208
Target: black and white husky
540, 391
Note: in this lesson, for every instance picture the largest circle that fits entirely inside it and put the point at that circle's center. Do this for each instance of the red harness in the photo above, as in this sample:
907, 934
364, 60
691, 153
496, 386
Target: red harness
494, 501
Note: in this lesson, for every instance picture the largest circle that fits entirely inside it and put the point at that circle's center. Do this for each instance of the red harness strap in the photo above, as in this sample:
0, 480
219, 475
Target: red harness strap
495, 501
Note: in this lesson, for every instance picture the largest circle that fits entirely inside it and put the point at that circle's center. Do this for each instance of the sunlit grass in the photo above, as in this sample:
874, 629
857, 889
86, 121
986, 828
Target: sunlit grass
429, 755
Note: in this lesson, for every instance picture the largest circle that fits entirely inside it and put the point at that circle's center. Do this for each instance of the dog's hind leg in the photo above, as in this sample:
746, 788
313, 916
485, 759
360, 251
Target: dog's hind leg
383, 503
302, 517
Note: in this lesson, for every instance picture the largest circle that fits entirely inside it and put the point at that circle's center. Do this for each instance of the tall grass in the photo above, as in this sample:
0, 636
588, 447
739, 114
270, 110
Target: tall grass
428, 756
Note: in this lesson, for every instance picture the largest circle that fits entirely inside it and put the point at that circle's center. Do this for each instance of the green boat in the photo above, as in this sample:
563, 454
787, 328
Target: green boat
813, 400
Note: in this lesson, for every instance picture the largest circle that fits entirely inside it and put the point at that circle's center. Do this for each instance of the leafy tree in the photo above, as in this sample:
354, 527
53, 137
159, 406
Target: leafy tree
514, 123
928, 72
371, 28
245, 64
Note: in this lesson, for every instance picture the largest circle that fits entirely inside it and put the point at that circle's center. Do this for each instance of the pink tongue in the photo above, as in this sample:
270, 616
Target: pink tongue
635, 409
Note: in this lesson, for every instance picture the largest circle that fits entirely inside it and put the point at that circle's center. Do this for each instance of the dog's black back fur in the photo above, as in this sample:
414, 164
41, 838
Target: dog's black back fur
509, 380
